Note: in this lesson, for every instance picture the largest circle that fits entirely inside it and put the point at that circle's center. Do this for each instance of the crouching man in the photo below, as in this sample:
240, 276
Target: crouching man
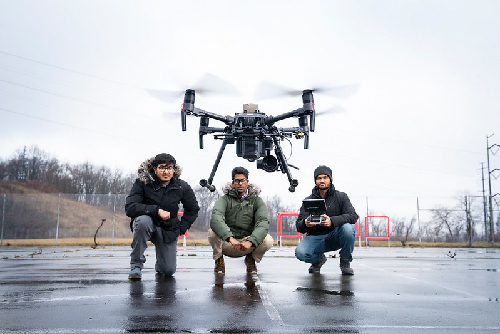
153, 204
239, 224
336, 230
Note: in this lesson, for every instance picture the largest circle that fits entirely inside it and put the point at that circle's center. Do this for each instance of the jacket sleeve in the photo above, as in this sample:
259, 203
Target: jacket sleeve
261, 219
218, 219
191, 208
348, 214
300, 223
134, 206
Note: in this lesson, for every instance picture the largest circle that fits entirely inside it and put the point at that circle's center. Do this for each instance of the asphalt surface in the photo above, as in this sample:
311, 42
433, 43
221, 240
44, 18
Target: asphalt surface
394, 290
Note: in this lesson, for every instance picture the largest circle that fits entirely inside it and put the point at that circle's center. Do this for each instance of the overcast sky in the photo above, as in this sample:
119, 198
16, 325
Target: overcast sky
74, 75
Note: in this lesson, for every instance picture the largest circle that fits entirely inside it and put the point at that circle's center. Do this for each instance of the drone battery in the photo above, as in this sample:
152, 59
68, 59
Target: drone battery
248, 148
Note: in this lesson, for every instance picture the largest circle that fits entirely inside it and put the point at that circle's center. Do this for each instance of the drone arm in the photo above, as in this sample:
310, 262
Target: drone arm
294, 113
208, 183
203, 113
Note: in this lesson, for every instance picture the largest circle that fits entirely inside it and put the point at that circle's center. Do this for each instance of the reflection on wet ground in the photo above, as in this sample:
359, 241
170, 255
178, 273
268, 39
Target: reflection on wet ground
66, 291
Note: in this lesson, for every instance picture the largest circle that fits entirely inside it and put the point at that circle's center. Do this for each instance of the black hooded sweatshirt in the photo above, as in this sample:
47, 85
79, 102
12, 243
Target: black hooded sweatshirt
148, 195
338, 208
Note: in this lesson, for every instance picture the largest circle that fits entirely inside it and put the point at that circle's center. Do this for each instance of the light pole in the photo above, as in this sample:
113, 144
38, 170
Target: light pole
490, 200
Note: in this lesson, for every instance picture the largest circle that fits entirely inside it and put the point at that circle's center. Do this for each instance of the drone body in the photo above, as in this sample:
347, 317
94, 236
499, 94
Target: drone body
254, 133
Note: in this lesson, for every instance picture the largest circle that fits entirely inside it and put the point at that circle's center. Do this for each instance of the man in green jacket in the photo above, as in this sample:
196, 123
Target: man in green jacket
239, 225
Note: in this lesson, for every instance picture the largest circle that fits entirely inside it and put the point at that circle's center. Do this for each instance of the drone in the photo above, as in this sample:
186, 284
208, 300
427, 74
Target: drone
255, 134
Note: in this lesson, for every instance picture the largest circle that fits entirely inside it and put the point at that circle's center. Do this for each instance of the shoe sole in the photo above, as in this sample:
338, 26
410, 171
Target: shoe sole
134, 278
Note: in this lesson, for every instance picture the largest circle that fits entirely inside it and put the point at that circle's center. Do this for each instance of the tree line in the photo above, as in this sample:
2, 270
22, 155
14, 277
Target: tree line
95, 185
33, 164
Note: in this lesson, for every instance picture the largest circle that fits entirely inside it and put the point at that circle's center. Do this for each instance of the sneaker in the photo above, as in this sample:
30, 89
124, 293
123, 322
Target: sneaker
316, 267
219, 266
135, 274
250, 262
345, 266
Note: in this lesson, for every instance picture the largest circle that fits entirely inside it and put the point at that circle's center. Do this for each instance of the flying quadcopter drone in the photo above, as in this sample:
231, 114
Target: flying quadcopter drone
254, 133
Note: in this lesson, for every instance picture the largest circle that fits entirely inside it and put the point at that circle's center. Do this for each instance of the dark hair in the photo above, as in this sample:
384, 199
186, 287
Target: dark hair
163, 158
239, 170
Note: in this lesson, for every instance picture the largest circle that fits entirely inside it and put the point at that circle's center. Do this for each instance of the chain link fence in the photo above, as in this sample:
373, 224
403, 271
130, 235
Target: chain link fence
56, 216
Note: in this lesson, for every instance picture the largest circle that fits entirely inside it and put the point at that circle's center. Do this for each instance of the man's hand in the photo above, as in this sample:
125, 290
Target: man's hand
308, 223
164, 215
243, 246
326, 221
235, 243
246, 245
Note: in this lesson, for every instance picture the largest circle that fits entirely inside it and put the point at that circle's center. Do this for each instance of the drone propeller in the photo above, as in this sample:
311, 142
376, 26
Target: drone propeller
267, 90
208, 84
334, 110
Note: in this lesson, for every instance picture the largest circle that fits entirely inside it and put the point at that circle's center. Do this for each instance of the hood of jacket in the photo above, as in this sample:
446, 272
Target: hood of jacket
229, 190
146, 174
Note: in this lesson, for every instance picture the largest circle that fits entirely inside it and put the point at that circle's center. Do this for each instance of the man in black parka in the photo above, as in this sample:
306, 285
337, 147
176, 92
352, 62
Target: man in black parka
153, 204
336, 230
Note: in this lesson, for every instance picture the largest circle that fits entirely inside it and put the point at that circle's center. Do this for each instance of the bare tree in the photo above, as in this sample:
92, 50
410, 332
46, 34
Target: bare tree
447, 219
275, 205
206, 200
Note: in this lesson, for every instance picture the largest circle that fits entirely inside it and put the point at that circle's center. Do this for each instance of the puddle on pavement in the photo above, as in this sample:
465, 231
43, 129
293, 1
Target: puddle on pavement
328, 292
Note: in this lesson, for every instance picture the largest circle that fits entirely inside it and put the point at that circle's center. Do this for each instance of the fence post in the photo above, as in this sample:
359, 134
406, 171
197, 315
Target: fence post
114, 215
3, 220
57, 226
418, 221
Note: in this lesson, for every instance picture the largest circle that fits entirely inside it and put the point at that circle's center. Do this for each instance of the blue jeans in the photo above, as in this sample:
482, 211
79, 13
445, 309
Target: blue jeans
312, 248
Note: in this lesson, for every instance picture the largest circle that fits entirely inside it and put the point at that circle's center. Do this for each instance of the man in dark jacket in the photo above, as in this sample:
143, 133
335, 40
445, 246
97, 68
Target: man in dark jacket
239, 225
153, 204
335, 231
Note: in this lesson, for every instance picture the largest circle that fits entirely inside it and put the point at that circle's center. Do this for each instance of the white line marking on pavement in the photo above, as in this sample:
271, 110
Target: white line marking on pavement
266, 301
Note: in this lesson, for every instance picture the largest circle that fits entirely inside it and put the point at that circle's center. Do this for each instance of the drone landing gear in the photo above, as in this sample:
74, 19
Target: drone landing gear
285, 168
284, 165
208, 183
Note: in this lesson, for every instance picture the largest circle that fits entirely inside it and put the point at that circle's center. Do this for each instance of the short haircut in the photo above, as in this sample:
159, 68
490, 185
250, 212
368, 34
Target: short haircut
239, 170
163, 158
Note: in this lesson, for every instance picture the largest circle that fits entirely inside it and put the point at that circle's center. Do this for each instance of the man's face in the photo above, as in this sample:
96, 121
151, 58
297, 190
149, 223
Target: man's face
323, 181
240, 183
164, 172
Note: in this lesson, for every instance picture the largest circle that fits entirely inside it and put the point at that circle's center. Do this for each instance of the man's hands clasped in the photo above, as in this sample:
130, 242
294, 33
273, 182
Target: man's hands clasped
245, 245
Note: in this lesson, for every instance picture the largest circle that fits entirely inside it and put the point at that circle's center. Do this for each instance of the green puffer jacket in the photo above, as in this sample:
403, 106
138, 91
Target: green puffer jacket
233, 217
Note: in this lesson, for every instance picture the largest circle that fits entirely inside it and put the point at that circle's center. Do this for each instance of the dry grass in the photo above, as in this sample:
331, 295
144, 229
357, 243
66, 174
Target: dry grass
86, 242
204, 242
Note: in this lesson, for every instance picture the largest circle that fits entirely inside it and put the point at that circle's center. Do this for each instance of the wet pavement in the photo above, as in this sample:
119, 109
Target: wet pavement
394, 290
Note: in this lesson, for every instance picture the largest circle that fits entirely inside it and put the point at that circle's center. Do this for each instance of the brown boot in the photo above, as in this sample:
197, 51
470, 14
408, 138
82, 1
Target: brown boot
219, 268
250, 262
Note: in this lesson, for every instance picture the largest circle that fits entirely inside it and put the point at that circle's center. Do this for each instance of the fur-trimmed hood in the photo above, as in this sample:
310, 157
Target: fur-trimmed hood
252, 188
146, 174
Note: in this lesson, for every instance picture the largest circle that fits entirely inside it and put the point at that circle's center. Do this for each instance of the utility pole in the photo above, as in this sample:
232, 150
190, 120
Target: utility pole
490, 200
485, 206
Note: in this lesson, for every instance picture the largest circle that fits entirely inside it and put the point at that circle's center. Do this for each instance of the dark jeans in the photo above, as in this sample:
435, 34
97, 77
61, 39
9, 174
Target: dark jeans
312, 248
166, 252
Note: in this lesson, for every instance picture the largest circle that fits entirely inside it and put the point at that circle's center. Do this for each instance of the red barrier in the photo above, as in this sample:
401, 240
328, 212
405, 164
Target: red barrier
376, 238
358, 228
279, 227
180, 214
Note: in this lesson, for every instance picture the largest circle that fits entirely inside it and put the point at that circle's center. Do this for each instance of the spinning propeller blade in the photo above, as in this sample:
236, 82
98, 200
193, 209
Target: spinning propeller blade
267, 90
208, 84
